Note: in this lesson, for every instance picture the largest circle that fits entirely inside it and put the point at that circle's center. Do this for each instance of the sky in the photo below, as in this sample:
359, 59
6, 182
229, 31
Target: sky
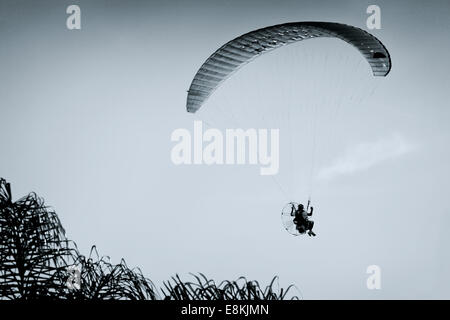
87, 117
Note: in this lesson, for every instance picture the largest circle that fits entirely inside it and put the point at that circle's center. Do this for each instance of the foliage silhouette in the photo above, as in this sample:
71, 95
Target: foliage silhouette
32, 248
36, 259
102, 280
207, 289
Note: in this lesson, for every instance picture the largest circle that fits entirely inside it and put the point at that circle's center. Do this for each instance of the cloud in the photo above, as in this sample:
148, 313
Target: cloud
366, 155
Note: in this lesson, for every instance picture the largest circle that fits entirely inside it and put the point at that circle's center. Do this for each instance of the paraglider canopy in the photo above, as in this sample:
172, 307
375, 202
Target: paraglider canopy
238, 52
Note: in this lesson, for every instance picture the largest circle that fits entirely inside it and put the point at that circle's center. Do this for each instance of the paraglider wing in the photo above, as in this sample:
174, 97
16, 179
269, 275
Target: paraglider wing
238, 52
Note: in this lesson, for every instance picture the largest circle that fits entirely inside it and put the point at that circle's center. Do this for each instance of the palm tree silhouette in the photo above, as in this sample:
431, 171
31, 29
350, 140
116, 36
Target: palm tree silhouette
37, 261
